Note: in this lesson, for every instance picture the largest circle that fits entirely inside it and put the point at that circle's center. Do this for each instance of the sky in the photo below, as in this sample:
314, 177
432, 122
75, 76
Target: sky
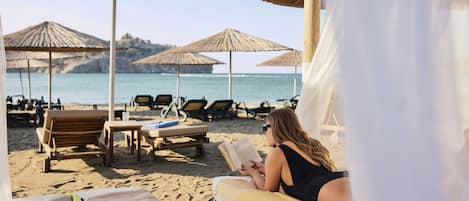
175, 22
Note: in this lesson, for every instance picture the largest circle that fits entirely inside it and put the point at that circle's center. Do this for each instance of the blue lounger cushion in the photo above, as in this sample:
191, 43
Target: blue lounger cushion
161, 124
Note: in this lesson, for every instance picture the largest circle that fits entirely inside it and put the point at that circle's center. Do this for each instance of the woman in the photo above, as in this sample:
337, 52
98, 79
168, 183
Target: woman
298, 163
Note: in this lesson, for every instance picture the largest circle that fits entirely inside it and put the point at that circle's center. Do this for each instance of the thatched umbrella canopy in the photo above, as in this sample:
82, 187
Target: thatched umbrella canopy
29, 59
291, 3
52, 37
24, 55
175, 57
291, 58
28, 63
232, 40
33, 63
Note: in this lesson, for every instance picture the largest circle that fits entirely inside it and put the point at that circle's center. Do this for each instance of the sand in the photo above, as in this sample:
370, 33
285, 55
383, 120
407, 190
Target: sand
174, 175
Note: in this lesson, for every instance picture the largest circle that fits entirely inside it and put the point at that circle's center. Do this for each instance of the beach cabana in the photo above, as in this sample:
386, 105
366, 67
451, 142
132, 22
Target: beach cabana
52, 37
402, 92
291, 58
232, 40
174, 57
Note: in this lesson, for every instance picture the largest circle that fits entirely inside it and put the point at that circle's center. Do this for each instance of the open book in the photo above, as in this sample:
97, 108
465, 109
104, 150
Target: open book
238, 153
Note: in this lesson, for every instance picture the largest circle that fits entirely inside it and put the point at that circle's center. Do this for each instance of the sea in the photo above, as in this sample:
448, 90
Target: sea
93, 88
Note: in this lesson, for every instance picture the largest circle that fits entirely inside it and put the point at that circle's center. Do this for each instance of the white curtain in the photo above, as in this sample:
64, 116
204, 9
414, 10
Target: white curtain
402, 68
319, 100
5, 187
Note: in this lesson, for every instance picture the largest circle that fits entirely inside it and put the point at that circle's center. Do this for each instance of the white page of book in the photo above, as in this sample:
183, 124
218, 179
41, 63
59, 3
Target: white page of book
246, 151
233, 155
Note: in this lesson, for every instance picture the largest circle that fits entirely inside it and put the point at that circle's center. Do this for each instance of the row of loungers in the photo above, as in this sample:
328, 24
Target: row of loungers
197, 108
218, 109
161, 100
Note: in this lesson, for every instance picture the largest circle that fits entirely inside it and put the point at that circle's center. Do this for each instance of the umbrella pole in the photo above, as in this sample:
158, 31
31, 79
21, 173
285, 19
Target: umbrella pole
229, 80
177, 84
50, 80
21, 82
294, 83
112, 62
29, 81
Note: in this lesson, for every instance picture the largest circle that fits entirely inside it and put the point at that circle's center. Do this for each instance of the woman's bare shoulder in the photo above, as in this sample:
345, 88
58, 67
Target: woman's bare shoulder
276, 154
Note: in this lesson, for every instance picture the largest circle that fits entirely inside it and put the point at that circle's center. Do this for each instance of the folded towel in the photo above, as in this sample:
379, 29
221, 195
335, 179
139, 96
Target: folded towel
161, 124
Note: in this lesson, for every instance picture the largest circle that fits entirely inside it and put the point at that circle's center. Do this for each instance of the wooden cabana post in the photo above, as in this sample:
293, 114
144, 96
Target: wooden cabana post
312, 26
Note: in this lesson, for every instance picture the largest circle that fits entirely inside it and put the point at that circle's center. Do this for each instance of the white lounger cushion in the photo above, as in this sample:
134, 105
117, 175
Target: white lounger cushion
114, 194
175, 131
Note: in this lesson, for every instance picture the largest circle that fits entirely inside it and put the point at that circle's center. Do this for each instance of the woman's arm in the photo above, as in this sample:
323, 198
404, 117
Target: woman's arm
273, 170
259, 179
273, 166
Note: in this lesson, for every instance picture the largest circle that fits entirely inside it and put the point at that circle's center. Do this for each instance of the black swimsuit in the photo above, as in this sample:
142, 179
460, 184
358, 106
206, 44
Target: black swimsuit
307, 177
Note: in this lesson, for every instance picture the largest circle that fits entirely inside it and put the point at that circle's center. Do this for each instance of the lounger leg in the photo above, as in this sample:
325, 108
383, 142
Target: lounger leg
200, 150
108, 160
41, 149
127, 139
46, 167
132, 144
153, 152
139, 140
104, 160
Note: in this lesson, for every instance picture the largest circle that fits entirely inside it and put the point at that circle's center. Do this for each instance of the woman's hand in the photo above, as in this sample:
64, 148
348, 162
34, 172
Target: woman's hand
258, 166
248, 171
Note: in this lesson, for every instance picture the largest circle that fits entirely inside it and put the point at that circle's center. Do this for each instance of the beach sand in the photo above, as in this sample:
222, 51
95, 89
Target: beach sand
174, 175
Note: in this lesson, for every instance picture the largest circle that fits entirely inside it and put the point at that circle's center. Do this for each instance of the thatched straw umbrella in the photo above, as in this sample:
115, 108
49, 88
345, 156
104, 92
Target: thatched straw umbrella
27, 59
295, 3
232, 40
28, 63
174, 57
291, 58
52, 37
291, 3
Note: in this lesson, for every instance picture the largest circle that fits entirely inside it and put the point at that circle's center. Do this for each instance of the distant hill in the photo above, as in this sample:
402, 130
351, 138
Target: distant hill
137, 48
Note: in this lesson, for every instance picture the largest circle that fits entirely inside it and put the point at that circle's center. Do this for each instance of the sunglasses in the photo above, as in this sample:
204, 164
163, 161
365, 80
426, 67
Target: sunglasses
265, 127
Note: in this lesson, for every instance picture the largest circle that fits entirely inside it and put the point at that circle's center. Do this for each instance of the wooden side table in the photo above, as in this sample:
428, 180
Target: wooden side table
116, 126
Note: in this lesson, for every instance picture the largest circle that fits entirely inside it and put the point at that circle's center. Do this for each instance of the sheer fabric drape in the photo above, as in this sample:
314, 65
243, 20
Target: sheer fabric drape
319, 102
402, 68
5, 186
402, 99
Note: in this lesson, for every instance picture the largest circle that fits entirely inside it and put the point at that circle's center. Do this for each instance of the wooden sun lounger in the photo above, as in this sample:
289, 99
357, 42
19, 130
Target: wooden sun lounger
142, 100
170, 138
162, 100
71, 128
